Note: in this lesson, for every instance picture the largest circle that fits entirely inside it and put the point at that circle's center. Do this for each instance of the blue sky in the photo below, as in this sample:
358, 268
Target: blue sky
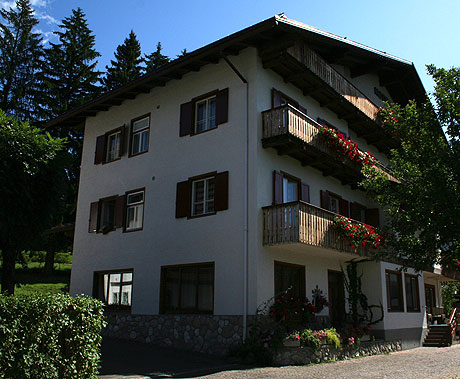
421, 31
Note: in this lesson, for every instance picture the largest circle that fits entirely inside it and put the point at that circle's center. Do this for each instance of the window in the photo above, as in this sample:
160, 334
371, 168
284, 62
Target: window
202, 195
205, 112
394, 291
140, 129
107, 215
114, 288
290, 276
134, 210
287, 188
110, 146
334, 204
412, 293
290, 190
187, 288
279, 99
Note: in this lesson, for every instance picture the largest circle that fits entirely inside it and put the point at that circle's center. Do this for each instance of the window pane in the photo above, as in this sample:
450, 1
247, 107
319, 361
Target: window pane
113, 147
126, 294
144, 141
172, 289
188, 288
114, 289
106, 287
136, 143
210, 186
201, 116
199, 190
107, 213
212, 113
141, 124
292, 191
127, 276
334, 204
205, 289
134, 216
135, 197
395, 301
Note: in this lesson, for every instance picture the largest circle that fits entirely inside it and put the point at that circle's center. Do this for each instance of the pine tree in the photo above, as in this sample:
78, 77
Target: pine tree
183, 53
156, 59
21, 57
127, 63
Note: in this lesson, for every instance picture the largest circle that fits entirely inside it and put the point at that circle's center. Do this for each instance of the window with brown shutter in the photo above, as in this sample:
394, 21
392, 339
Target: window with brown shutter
202, 195
110, 146
334, 203
100, 150
93, 216
204, 113
288, 188
279, 99
358, 212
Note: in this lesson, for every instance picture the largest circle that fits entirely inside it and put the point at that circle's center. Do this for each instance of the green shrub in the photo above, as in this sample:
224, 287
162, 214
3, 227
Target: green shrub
333, 338
310, 339
50, 336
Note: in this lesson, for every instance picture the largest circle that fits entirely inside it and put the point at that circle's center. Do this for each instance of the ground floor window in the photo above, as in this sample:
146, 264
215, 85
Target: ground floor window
394, 291
412, 293
291, 276
187, 288
114, 288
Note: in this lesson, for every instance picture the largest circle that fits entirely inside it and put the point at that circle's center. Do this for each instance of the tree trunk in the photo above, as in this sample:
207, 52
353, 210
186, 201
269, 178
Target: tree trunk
8, 277
49, 262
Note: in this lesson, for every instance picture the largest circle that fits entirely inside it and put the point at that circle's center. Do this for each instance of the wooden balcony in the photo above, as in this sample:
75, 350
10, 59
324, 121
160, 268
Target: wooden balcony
300, 222
304, 68
293, 133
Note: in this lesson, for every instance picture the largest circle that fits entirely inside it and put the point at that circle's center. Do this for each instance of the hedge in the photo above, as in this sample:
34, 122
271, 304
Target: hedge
50, 336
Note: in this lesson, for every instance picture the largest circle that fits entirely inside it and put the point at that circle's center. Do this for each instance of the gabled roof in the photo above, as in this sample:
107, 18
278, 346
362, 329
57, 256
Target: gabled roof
398, 75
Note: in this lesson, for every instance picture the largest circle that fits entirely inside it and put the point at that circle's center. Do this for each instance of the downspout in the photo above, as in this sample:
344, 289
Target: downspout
245, 202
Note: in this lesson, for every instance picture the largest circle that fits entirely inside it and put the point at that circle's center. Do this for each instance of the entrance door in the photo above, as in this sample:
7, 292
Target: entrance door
430, 298
336, 293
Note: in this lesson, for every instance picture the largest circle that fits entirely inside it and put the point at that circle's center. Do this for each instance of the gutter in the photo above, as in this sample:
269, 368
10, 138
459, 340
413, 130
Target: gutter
245, 202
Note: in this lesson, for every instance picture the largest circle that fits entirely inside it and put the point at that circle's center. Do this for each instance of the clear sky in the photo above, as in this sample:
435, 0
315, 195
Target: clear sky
421, 31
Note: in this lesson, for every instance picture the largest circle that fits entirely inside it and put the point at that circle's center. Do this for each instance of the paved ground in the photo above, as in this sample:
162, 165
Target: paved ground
122, 359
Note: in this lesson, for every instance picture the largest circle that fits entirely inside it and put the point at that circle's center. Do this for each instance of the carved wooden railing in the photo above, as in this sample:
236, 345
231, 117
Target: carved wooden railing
333, 78
286, 120
300, 222
453, 323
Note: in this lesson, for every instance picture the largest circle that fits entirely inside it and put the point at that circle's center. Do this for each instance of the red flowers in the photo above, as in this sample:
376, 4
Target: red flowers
345, 146
357, 233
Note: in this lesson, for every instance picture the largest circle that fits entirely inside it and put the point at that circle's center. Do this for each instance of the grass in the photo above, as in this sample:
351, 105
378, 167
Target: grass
32, 279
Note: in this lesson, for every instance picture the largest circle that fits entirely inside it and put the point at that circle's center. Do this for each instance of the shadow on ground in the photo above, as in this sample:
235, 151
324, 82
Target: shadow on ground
125, 359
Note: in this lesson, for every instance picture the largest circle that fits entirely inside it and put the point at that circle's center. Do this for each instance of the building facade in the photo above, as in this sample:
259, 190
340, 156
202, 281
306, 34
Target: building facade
205, 188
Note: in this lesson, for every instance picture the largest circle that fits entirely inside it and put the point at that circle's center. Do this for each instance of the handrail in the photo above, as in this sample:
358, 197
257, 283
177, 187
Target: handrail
453, 323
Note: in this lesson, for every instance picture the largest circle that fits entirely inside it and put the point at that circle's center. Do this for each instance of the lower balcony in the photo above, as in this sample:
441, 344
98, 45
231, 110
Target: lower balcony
304, 223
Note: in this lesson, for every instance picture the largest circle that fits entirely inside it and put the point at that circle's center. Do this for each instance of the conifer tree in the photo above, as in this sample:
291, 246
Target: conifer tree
155, 59
21, 56
127, 63
183, 53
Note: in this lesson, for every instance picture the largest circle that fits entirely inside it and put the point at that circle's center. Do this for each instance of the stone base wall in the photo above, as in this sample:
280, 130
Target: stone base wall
305, 355
203, 333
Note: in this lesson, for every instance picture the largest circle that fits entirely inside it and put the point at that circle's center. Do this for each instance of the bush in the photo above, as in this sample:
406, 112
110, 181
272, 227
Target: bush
313, 339
50, 336
310, 339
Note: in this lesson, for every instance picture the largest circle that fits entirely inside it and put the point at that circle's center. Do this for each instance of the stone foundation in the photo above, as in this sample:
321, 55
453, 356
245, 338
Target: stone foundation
203, 333
305, 355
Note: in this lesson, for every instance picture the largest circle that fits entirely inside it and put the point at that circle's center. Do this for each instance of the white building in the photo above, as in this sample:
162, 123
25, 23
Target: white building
187, 170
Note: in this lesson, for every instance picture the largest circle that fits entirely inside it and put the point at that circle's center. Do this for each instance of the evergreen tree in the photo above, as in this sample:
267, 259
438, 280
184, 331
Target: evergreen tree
183, 53
155, 59
21, 56
127, 63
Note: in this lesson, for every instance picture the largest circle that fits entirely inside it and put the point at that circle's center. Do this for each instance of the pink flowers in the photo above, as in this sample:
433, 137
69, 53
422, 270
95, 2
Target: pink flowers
357, 233
351, 341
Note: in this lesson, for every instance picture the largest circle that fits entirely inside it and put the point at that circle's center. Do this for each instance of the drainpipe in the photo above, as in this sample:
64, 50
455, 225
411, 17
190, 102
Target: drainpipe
245, 202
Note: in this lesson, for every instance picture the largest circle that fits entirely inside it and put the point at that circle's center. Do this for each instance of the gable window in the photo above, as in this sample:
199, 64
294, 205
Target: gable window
202, 195
140, 129
395, 301
287, 188
290, 276
187, 288
203, 113
412, 293
134, 210
114, 288
110, 146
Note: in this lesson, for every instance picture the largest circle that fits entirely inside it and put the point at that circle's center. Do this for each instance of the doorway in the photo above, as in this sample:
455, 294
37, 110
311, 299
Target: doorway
336, 291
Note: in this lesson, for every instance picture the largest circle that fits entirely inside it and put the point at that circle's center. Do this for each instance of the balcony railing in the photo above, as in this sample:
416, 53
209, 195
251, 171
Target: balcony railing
333, 78
287, 120
300, 222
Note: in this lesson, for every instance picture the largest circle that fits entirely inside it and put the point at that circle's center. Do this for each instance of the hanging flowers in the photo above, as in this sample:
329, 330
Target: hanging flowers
345, 147
357, 233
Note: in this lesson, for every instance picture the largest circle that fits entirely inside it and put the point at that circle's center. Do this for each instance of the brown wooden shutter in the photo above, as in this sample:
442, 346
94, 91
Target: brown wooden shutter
355, 211
93, 214
119, 211
222, 107
221, 193
186, 119
123, 140
276, 98
304, 192
99, 155
183, 193
372, 217
277, 188
324, 199
343, 207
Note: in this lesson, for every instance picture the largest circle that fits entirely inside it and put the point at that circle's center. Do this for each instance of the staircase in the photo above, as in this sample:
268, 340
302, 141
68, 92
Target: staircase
438, 336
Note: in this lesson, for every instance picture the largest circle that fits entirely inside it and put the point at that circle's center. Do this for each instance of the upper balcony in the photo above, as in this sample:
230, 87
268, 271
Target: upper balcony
293, 133
303, 223
304, 68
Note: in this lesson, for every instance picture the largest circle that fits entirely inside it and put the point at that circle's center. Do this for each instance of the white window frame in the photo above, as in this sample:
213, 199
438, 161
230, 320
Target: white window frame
142, 131
114, 153
208, 119
115, 292
138, 207
205, 200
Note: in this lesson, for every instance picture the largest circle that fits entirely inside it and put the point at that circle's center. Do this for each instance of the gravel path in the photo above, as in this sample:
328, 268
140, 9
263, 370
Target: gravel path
419, 363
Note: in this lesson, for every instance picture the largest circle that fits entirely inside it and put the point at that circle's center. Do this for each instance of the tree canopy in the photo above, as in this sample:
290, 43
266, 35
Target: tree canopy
423, 208
155, 59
